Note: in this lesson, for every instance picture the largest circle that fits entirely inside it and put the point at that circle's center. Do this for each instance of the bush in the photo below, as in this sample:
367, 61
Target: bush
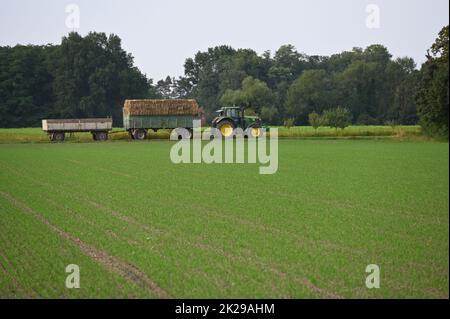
339, 117
289, 122
315, 120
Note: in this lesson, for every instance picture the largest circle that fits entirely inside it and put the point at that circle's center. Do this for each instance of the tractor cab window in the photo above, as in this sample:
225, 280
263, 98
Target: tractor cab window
232, 113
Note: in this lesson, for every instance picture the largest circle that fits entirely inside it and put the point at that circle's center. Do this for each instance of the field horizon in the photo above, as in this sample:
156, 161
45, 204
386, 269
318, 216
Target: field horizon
36, 135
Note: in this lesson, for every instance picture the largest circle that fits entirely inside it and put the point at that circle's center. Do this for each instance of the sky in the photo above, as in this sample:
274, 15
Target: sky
162, 34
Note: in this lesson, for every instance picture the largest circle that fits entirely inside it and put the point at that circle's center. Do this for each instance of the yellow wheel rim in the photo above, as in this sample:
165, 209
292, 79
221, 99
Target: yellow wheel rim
255, 131
226, 130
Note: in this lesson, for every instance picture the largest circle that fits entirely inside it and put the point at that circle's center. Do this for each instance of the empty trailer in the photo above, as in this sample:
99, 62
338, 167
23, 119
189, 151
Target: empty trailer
98, 127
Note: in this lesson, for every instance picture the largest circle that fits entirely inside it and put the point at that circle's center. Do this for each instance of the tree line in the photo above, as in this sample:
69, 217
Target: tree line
373, 86
91, 76
87, 76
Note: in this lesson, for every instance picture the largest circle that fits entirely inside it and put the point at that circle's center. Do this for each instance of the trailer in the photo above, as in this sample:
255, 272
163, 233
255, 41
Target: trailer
139, 116
57, 128
138, 126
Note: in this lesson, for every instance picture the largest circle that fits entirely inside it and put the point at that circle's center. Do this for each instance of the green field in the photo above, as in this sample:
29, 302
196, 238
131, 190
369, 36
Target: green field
140, 226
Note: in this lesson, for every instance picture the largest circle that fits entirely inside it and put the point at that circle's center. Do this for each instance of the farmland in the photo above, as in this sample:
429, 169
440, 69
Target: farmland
140, 226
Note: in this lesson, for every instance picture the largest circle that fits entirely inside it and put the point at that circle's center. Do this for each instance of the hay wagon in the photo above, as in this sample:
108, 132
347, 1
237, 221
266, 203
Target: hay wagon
139, 116
98, 127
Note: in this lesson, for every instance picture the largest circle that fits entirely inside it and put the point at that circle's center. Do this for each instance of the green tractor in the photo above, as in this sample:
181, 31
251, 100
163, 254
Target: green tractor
232, 117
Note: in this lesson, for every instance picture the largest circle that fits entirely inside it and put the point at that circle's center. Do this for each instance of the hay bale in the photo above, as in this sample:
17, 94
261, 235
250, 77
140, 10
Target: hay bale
160, 107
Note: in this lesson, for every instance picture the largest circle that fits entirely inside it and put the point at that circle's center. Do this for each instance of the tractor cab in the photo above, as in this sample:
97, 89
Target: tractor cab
235, 113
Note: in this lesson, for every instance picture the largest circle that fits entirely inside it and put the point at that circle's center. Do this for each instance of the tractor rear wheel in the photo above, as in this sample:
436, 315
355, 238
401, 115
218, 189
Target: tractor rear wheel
226, 128
254, 132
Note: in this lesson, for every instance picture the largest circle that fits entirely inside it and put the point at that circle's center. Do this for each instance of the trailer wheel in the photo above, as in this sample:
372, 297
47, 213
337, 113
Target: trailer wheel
181, 134
140, 134
101, 136
58, 136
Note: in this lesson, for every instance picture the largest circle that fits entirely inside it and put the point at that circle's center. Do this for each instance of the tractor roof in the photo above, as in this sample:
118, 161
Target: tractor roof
228, 107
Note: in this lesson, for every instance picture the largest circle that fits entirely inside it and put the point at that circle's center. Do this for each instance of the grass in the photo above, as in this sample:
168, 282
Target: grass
351, 131
26, 135
198, 230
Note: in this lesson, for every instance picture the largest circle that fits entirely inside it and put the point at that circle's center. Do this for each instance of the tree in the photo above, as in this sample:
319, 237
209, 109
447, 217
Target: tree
433, 96
339, 117
234, 97
368, 81
93, 77
292, 63
289, 122
164, 88
315, 120
26, 85
377, 53
403, 81
238, 66
257, 92
254, 94
268, 113
310, 92
358, 86
202, 75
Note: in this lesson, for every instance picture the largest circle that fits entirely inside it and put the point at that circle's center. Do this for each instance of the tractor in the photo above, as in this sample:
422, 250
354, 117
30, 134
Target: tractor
232, 117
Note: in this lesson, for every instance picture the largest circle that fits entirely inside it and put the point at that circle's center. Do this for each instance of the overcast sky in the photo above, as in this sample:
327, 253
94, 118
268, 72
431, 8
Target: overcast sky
162, 34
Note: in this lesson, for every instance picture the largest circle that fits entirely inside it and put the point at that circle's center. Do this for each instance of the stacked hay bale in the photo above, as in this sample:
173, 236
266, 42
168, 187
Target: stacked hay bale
160, 107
